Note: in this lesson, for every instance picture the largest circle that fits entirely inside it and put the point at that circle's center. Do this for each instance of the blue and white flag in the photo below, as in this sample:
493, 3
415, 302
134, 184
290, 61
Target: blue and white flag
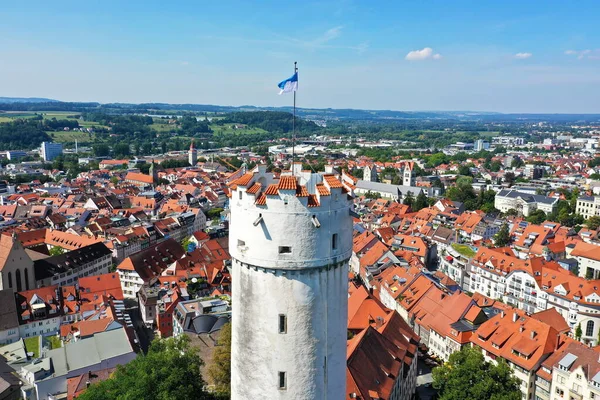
289, 85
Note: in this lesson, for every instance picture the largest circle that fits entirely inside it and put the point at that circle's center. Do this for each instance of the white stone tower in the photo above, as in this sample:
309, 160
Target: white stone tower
409, 179
290, 241
192, 154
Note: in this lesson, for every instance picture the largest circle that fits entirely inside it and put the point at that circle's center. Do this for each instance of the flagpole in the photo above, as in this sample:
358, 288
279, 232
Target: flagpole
294, 125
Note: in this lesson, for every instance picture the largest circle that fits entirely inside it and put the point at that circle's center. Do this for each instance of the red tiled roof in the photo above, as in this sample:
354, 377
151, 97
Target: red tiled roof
244, 179
332, 182
271, 190
261, 200
301, 191
313, 201
323, 191
254, 188
287, 182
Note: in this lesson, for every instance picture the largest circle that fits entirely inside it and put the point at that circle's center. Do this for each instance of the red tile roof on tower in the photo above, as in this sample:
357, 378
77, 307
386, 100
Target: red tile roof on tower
287, 182
254, 188
243, 180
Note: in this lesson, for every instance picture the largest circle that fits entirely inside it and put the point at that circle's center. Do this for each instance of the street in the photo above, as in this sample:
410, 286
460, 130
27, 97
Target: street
424, 381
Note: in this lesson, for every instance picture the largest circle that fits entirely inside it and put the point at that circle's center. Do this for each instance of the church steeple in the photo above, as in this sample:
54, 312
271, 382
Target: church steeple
153, 173
192, 154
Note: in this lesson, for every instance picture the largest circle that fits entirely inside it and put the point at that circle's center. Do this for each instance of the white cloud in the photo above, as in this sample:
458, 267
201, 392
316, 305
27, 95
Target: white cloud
423, 54
587, 53
523, 56
184, 63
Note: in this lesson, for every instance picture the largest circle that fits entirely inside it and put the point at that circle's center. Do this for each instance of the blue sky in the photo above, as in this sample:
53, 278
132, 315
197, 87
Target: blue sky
506, 56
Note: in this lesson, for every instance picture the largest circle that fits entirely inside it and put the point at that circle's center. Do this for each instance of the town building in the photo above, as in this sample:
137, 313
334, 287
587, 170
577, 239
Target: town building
64, 269
51, 150
16, 267
48, 376
571, 372
523, 341
290, 241
9, 318
524, 203
588, 206
147, 265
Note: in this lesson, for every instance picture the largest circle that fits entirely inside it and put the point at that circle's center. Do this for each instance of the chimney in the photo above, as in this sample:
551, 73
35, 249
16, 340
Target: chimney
379, 322
89, 374
502, 314
521, 329
87, 384
515, 317
533, 334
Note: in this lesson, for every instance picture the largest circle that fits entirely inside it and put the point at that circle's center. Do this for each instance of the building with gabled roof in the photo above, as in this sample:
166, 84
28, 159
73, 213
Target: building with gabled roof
378, 333
523, 341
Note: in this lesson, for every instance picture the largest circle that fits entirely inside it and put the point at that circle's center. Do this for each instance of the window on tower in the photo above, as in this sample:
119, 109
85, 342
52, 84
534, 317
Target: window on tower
282, 323
282, 380
285, 249
334, 241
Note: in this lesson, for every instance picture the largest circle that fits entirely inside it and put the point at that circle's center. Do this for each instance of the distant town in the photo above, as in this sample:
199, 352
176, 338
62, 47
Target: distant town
468, 235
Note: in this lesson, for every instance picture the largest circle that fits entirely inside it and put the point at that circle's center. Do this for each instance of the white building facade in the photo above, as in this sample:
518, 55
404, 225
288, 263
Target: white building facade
290, 242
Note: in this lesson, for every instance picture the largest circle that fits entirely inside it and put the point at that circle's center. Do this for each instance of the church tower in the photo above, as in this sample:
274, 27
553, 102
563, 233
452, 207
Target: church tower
153, 173
408, 177
192, 154
370, 173
290, 241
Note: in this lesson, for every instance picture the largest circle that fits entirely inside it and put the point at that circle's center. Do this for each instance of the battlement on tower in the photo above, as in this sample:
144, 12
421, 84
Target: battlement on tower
311, 190
294, 221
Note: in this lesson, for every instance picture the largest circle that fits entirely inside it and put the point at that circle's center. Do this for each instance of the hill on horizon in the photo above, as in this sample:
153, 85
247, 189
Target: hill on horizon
26, 100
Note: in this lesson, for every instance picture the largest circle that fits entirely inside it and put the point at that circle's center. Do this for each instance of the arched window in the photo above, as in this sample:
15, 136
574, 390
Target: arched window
26, 279
18, 276
10, 280
589, 328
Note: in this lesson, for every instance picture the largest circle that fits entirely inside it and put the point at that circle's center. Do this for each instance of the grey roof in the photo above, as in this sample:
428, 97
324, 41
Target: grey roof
90, 351
14, 352
596, 377
387, 188
529, 198
207, 323
567, 360
8, 310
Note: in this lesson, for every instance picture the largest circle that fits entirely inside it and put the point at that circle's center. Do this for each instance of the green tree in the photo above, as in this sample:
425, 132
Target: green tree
56, 251
420, 202
593, 222
578, 332
409, 199
220, 368
502, 238
170, 370
101, 150
536, 217
468, 376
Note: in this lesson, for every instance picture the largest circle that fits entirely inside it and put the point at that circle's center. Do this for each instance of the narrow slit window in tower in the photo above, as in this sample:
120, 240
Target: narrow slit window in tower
282, 323
282, 380
285, 249
334, 241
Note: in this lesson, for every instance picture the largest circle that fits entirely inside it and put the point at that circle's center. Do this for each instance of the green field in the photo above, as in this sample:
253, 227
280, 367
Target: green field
52, 342
70, 136
229, 130
464, 250
32, 345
